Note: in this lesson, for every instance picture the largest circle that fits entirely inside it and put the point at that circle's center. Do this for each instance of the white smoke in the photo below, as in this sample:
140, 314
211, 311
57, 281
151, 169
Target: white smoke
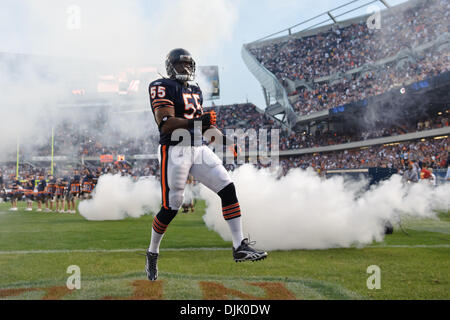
117, 197
108, 34
298, 211
305, 211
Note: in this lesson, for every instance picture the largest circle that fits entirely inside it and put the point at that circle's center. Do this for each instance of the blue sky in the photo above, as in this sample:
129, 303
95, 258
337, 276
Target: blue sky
147, 27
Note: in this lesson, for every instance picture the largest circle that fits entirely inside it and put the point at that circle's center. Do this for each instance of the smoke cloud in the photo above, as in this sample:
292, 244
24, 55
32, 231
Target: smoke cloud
298, 211
117, 197
107, 36
305, 211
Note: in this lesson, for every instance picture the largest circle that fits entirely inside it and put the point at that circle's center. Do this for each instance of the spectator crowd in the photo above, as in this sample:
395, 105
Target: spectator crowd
340, 49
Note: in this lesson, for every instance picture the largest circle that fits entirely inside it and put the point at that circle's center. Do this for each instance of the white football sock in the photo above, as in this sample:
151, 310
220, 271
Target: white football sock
155, 241
236, 231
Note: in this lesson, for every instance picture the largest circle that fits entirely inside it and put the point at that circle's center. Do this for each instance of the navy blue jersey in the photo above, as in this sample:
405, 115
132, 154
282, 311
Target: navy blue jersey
42, 185
186, 99
74, 185
66, 180
15, 184
29, 185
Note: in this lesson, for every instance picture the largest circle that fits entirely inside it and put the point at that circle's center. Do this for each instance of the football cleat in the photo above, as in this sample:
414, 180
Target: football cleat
246, 253
151, 266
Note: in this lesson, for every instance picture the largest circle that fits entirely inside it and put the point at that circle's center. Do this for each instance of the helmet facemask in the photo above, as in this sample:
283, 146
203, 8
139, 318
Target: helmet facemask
184, 70
181, 66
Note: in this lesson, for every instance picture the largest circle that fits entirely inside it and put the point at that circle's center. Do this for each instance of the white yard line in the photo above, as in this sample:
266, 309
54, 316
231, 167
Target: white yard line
108, 250
411, 246
197, 249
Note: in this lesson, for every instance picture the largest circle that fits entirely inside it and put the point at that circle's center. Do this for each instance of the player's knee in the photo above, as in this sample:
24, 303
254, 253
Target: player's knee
165, 216
228, 195
220, 179
176, 200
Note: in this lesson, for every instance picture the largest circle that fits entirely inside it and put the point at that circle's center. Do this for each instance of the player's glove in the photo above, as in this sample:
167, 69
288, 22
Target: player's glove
208, 119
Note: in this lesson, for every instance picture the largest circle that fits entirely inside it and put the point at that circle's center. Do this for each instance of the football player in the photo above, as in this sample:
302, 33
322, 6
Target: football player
51, 191
177, 104
16, 193
28, 186
73, 191
86, 186
60, 195
42, 193
66, 183
2, 188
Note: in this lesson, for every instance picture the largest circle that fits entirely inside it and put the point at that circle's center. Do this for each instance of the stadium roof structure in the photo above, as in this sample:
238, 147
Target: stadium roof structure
278, 105
326, 18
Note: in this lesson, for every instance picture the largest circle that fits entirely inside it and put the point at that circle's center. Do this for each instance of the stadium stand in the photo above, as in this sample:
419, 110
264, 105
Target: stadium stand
345, 62
342, 48
247, 116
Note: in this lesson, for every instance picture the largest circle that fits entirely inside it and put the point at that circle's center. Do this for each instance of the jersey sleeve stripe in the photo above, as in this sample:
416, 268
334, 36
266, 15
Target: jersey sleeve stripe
155, 104
163, 100
162, 105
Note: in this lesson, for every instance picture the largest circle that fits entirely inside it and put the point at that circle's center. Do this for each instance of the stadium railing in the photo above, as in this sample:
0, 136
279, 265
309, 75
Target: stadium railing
271, 84
371, 142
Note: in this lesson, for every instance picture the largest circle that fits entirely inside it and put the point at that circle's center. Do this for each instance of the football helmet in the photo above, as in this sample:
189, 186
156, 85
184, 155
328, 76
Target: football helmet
180, 65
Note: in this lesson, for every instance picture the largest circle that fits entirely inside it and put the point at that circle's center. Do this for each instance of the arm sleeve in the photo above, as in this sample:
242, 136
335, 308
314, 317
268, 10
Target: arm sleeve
161, 95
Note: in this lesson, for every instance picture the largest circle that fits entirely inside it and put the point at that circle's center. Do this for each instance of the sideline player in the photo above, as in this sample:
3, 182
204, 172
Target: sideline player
2, 188
51, 190
28, 186
74, 191
42, 194
86, 186
59, 196
16, 193
177, 104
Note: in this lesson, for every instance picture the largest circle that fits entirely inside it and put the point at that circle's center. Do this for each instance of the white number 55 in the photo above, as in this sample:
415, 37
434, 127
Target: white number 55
160, 90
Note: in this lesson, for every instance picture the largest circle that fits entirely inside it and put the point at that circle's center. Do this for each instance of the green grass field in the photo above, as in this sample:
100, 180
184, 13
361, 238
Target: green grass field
195, 263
